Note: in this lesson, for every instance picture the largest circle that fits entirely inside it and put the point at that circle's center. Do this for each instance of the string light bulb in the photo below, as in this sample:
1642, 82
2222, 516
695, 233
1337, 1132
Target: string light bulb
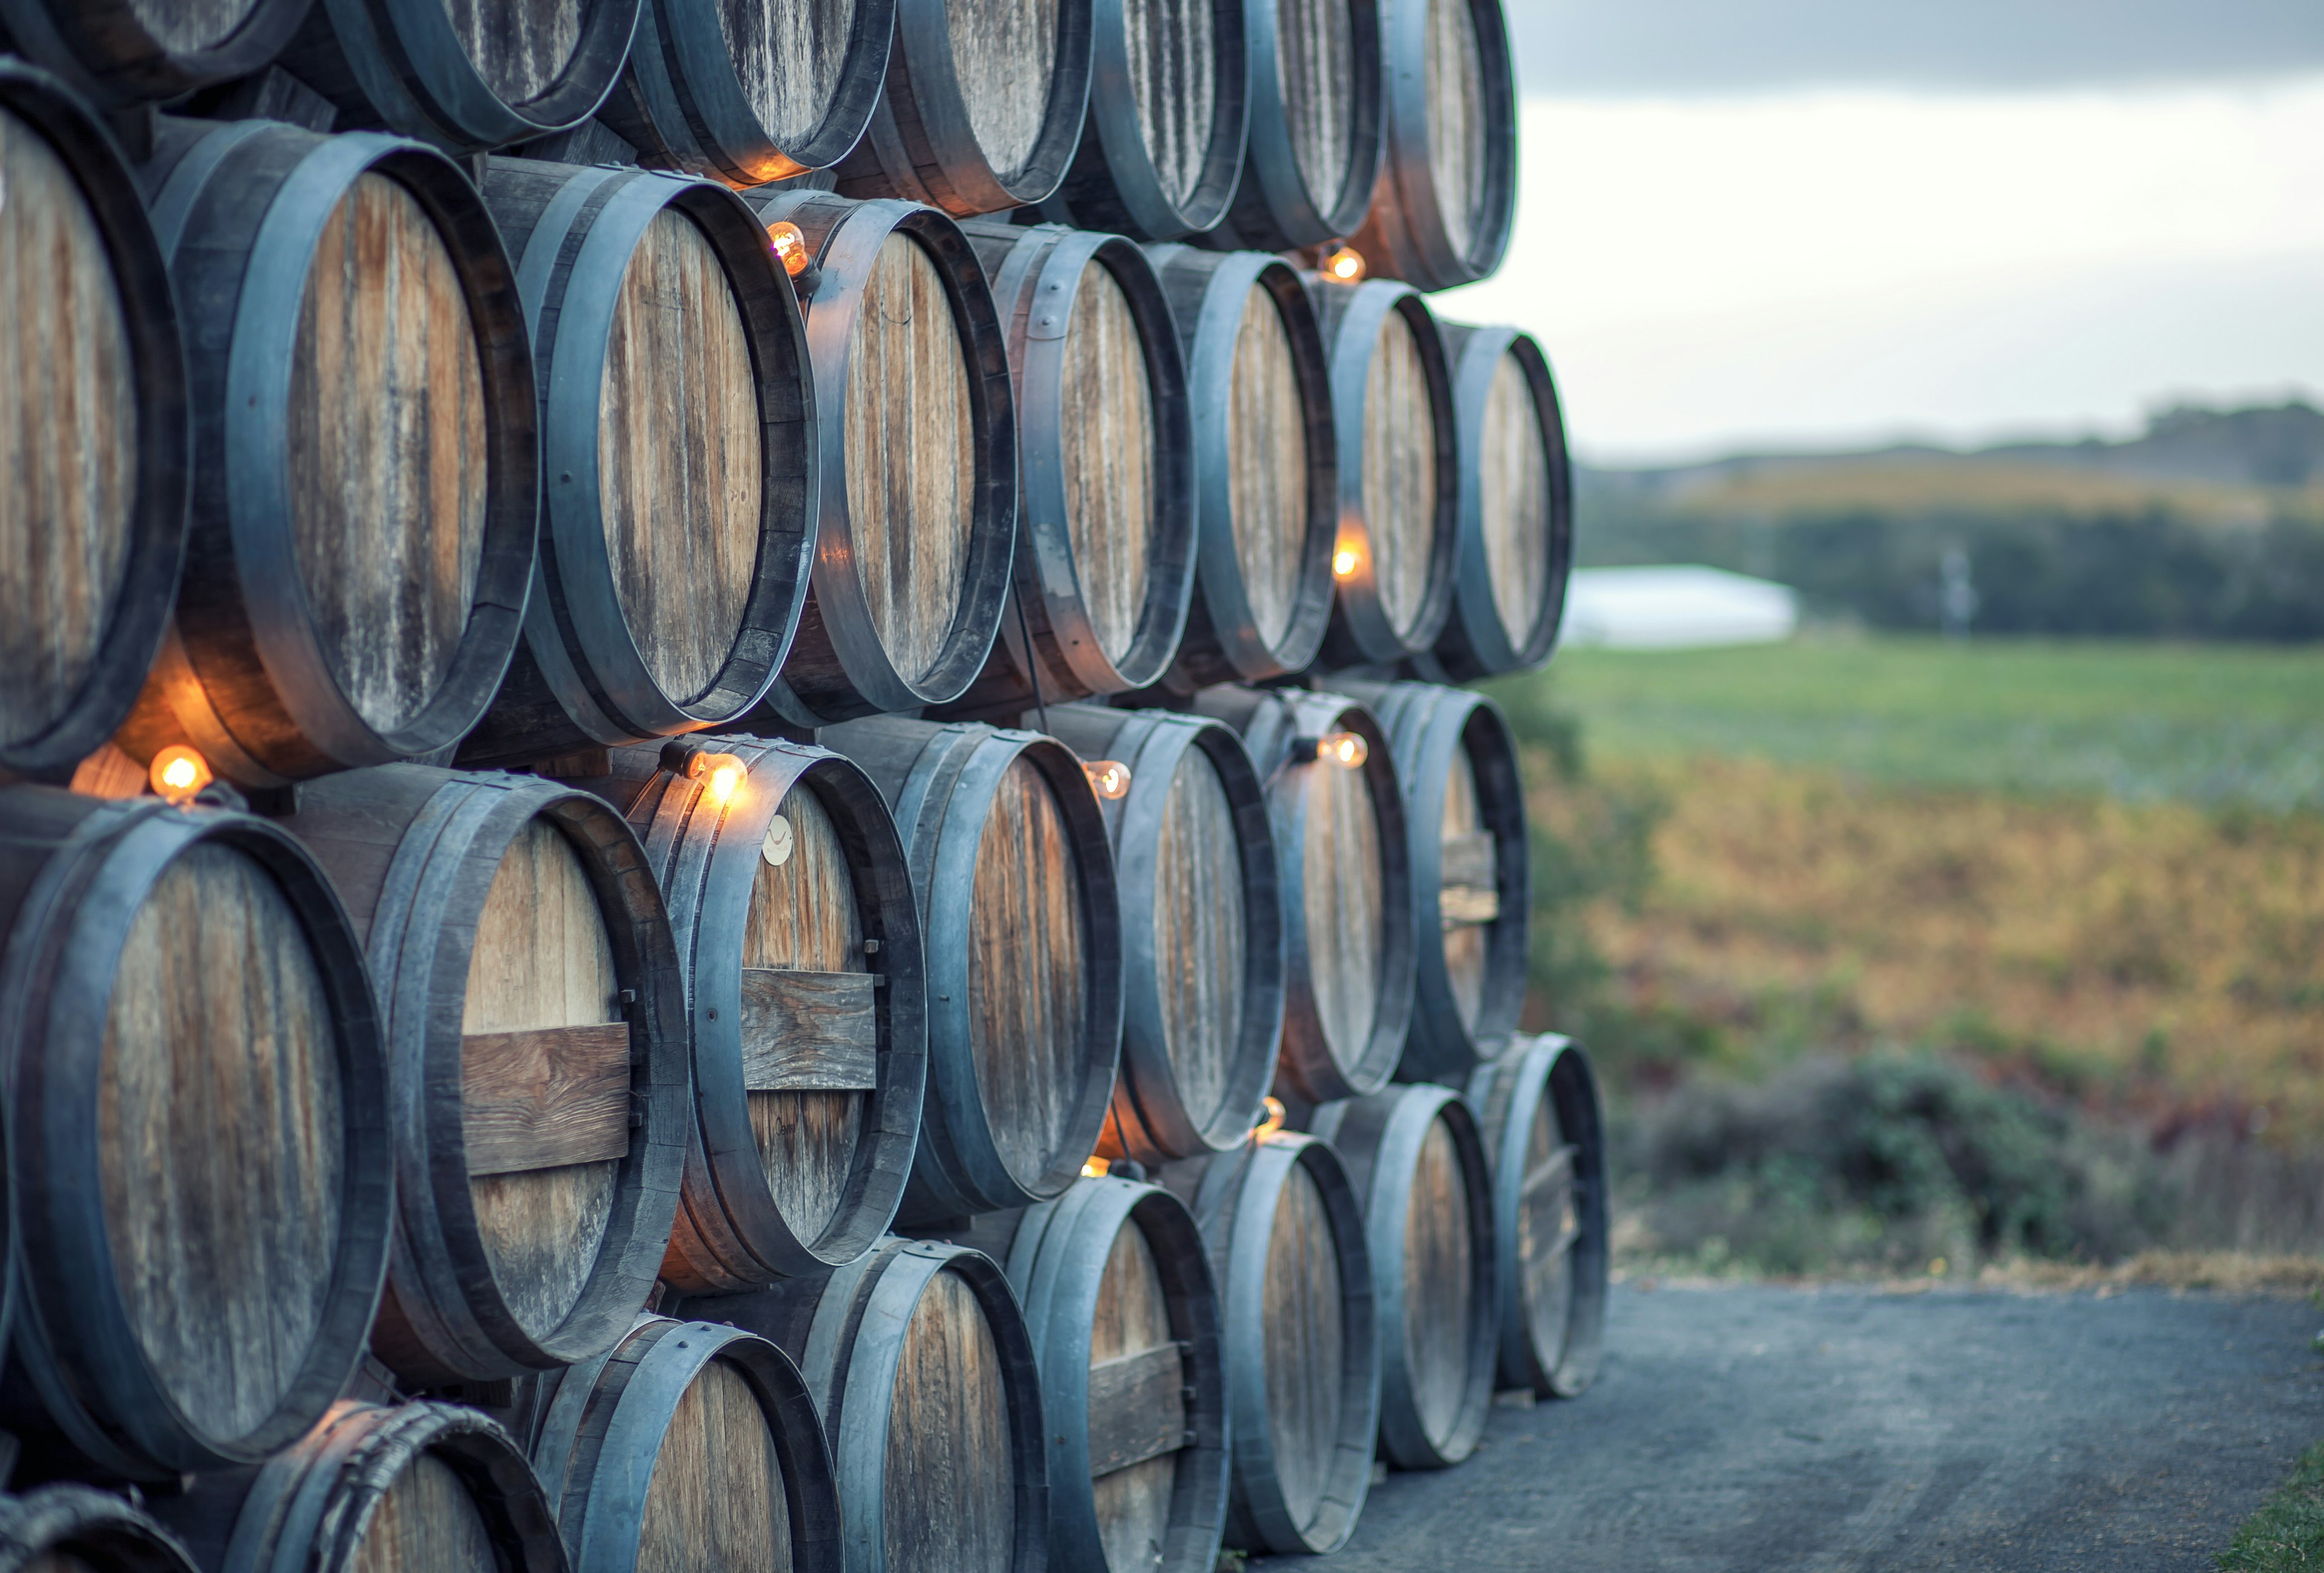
787, 241
1108, 778
179, 773
1348, 750
1345, 264
1272, 1123
1095, 1168
1343, 563
719, 773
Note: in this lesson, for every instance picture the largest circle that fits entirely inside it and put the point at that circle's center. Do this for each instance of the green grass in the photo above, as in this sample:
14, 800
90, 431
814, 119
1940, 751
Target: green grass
2207, 723
2288, 1533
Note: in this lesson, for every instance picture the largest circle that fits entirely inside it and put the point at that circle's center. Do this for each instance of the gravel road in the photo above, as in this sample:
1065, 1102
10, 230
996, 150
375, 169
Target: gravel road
1748, 1429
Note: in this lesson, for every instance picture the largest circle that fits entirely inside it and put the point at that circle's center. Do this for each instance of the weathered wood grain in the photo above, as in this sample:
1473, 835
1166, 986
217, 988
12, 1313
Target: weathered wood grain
950, 1477
1456, 118
1137, 1406
1439, 1281
185, 26
911, 465
677, 455
808, 1032
1467, 856
1305, 1336
716, 1501
804, 915
1399, 472
1267, 464
428, 1522
1199, 935
1136, 1409
1314, 68
387, 450
1028, 944
1514, 497
1004, 53
542, 958
545, 1099
1173, 77
1342, 900
68, 436
1107, 444
1547, 1224
788, 55
1466, 899
219, 1121
519, 47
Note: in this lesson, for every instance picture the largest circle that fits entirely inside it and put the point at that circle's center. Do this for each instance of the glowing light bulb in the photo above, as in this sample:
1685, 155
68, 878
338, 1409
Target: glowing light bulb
1095, 1168
1272, 1123
719, 773
1348, 750
1108, 778
1343, 563
1345, 264
179, 773
787, 241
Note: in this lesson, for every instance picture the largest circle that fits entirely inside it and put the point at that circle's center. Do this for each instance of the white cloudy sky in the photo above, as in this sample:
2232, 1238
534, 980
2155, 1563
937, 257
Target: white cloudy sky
1787, 223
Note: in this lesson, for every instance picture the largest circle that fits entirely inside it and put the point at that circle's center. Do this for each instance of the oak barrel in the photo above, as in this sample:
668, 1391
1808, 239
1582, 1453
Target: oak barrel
1023, 932
1201, 931
420, 1487
466, 75
1447, 182
1345, 870
982, 110
1285, 1230
131, 51
1318, 109
918, 446
797, 926
748, 91
1414, 1156
677, 431
1517, 507
1105, 542
365, 459
1472, 890
526, 969
1117, 1291
1170, 106
198, 1143
1400, 471
93, 438
1265, 464
1545, 1133
922, 1368
72, 1529
688, 1447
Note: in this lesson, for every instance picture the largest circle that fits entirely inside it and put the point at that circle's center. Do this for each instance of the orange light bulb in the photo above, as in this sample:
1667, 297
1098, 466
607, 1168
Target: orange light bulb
787, 241
1345, 264
1348, 750
1343, 563
1096, 1169
1108, 778
721, 774
1273, 1123
180, 773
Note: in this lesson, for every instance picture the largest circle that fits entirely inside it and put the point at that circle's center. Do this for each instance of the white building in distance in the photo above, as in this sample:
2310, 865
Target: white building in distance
1676, 608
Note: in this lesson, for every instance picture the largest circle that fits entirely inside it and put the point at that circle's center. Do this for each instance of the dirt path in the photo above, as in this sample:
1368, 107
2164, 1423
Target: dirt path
1746, 1430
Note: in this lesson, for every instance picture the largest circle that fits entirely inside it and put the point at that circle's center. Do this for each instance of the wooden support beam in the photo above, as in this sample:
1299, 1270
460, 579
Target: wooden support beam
1466, 894
809, 1031
545, 1099
1136, 1409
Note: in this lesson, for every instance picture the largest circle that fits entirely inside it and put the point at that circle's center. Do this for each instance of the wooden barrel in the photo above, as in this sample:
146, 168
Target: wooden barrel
982, 106
1345, 870
131, 51
1472, 890
93, 440
1448, 184
1399, 472
796, 923
534, 1003
1416, 1158
365, 458
416, 1488
748, 91
1266, 465
1169, 105
689, 1447
1023, 930
1285, 1230
199, 1145
924, 1373
72, 1529
1117, 1291
1317, 92
1201, 931
1517, 508
918, 448
463, 75
1105, 542
677, 423
1544, 1131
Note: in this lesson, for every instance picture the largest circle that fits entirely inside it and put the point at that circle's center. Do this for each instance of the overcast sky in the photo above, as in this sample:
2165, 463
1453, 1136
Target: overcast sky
1796, 222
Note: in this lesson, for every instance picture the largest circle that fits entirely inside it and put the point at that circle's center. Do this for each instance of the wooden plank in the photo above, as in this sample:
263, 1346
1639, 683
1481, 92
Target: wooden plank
1467, 906
1467, 856
1004, 55
1136, 1409
1267, 464
545, 1099
809, 1031
1399, 472
1106, 433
